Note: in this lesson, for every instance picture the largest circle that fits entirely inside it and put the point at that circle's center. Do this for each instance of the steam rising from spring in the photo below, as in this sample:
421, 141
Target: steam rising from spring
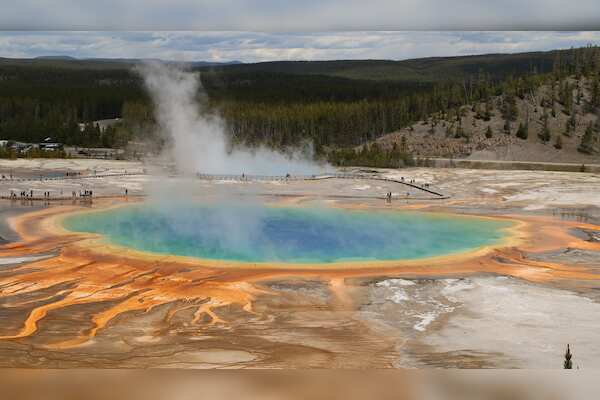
199, 141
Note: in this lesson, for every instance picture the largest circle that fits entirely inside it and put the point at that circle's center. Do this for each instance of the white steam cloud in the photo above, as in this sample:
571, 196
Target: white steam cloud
199, 141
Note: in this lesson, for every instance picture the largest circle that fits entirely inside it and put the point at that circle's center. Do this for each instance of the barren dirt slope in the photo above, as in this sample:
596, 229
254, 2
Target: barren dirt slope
440, 135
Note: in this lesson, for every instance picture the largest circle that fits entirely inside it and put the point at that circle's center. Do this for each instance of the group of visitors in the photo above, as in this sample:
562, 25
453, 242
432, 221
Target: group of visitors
389, 195
409, 181
28, 194
23, 195
85, 193
413, 182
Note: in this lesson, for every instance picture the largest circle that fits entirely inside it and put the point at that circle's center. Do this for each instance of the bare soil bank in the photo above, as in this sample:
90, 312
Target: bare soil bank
512, 165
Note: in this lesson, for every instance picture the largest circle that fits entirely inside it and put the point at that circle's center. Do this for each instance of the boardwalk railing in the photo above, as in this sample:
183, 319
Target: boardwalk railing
271, 178
65, 177
229, 177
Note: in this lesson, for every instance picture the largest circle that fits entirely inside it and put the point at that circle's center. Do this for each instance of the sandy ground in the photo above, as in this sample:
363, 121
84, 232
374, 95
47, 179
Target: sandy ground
66, 305
28, 166
495, 318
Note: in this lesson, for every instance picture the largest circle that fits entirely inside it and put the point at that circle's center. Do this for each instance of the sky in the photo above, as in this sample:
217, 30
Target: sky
224, 46
299, 15
264, 30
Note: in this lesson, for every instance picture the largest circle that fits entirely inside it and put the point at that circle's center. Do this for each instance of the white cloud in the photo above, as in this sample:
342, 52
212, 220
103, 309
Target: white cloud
257, 46
293, 15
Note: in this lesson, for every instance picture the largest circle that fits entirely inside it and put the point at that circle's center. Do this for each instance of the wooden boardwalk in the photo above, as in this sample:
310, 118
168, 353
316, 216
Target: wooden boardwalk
219, 177
285, 178
70, 177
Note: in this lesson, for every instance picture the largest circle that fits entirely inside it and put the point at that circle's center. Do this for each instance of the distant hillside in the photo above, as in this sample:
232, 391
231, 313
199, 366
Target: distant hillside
353, 80
423, 70
54, 58
429, 70
68, 62
542, 129
433, 103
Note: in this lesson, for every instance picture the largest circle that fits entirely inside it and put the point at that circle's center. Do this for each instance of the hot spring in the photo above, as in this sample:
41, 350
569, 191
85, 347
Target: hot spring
254, 233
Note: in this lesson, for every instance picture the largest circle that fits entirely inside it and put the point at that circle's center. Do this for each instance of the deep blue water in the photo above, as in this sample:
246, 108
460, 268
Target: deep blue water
287, 234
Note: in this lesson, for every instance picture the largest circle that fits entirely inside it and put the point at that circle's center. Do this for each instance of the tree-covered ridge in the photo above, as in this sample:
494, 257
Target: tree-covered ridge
335, 104
37, 101
422, 70
536, 117
271, 87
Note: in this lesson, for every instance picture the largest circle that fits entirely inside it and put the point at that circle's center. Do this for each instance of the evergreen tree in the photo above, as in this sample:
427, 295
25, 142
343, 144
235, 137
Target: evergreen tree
488, 111
523, 131
595, 99
571, 124
568, 363
488, 132
558, 142
507, 127
545, 134
431, 130
509, 108
566, 97
587, 141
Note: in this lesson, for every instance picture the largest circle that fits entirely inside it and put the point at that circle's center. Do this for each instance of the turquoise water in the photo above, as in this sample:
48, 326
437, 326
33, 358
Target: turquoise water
287, 234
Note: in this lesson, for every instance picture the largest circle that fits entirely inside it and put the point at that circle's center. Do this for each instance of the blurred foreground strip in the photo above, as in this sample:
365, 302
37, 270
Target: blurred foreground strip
274, 385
